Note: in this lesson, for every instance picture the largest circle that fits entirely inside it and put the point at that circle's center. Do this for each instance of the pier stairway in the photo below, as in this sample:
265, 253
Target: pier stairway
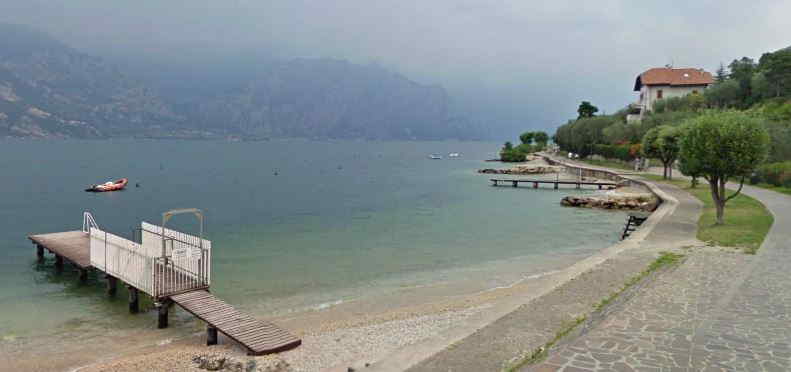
258, 336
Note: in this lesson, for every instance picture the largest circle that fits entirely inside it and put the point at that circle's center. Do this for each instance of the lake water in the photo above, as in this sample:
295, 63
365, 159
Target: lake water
294, 224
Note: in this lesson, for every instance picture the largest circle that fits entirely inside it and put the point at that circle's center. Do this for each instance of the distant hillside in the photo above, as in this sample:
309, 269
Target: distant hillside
48, 89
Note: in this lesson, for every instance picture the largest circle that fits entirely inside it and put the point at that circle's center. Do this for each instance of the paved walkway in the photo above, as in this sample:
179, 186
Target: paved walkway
511, 337
718, 311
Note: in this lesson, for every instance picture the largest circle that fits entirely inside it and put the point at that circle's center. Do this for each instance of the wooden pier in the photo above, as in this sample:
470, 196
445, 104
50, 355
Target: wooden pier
556, 183
169, 266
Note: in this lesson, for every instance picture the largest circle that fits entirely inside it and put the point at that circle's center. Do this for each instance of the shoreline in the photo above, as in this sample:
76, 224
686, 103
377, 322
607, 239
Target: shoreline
353, 323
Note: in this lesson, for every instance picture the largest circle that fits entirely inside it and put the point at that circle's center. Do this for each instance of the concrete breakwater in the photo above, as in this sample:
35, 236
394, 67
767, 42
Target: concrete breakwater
523, 169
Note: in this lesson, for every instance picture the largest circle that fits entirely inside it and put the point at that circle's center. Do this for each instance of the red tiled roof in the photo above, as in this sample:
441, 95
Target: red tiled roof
673, 76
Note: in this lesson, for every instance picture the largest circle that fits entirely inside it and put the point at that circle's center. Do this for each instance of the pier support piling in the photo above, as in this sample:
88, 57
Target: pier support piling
112, 285
515, 183
211, 335
134, 300
40, 253
83, 275
162, 311
556, 185
58, 262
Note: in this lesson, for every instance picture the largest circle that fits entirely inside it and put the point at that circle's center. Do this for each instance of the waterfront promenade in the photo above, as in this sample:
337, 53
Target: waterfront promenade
718, 311
517, 334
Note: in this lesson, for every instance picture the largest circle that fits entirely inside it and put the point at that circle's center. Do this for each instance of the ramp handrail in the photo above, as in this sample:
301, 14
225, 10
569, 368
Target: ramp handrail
88, 222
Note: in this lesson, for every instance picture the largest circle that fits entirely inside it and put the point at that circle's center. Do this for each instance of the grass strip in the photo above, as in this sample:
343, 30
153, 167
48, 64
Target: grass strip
665, 259
780, 189
747, 221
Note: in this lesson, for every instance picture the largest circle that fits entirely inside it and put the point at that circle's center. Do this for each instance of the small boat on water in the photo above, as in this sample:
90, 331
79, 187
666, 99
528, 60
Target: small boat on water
435, 156
109, 186
454, 155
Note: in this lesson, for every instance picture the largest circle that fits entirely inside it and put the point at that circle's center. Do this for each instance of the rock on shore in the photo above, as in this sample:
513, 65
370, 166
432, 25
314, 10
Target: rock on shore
643, 202
523, 169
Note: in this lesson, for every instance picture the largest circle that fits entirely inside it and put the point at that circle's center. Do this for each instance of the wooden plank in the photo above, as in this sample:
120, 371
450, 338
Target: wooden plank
258, 336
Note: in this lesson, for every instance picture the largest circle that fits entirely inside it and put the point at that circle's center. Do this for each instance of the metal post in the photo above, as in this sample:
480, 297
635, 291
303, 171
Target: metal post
58, 262
83, 275
134, 300
40, 253
211, 335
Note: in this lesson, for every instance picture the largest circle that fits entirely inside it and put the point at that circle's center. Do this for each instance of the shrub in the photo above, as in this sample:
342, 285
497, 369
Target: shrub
775, 174
512, 156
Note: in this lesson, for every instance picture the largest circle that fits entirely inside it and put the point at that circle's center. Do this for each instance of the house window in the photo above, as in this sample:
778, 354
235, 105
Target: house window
659, 94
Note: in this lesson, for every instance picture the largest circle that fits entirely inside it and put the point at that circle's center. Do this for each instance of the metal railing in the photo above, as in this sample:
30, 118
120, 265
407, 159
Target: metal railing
165, 262
88, 222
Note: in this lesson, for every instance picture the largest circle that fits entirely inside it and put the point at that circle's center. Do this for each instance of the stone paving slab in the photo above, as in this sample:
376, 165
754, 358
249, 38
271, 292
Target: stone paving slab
519, 333
718, 311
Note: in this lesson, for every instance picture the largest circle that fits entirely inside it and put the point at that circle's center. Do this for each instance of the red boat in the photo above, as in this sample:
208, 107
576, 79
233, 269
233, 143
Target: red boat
109, 186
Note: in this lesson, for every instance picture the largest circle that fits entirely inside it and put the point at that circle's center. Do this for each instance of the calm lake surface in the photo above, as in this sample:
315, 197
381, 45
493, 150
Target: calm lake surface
295, 224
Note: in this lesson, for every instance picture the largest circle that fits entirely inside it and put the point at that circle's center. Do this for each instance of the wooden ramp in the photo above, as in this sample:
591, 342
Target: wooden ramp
258, 336
74, 246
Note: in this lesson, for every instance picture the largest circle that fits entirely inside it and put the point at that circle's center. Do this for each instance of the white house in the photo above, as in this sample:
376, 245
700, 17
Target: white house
665, 82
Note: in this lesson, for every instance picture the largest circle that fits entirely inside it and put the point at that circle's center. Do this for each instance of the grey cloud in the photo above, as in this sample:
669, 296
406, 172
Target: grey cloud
525, 63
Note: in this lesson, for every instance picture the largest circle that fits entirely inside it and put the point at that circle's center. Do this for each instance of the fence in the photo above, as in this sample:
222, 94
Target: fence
187, 259
161, 265
123, 259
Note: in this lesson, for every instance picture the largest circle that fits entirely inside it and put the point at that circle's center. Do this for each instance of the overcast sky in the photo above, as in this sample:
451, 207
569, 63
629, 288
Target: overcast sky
525, 61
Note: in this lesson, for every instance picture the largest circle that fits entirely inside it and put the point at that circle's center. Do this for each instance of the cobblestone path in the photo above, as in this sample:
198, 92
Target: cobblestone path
718, 311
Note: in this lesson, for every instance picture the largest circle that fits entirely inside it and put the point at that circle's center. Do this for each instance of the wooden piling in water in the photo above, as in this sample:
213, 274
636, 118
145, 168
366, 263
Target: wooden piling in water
59, 262
83, 275
162, 313
112, 285
40, 253
134, 300
211, 335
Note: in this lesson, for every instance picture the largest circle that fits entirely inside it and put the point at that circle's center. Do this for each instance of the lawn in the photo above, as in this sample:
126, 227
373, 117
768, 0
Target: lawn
746, 220
780, 189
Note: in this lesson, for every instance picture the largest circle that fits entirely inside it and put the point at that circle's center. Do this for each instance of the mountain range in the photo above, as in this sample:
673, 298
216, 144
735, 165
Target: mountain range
51, 90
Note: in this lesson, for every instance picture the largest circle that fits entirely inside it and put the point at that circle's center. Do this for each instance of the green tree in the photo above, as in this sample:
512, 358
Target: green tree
724, 94
541, 138
662, 143
723, 146
508, 146
742, 71
586, 110
777, 68
527, 138
721, 74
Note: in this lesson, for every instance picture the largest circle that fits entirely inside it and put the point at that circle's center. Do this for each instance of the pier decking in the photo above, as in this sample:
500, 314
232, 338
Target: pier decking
71, 245
260, 337
169, 266
556, 183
